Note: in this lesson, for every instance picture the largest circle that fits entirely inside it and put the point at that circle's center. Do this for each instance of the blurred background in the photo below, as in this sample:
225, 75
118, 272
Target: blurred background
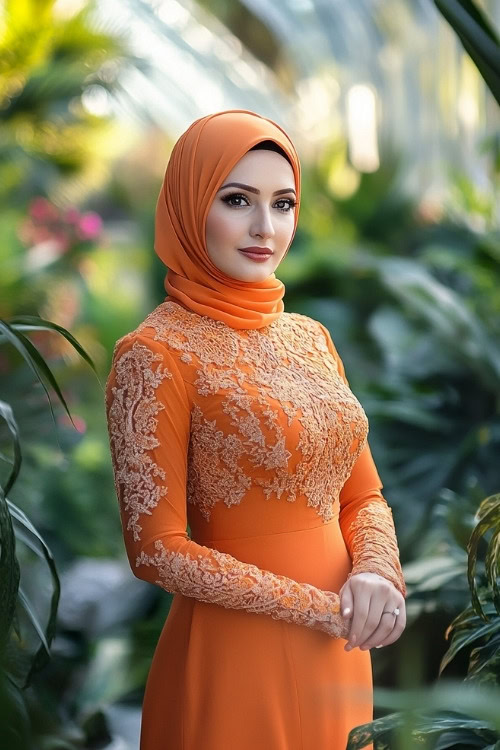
393, 107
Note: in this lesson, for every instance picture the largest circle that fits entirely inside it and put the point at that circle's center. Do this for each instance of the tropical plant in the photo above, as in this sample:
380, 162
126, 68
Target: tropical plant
451, 715
419, 334
414, 370
443, 388
26, 630
478, 37
54, 64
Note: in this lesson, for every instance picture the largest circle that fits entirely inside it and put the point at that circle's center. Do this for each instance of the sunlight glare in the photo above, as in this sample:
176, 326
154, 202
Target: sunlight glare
362, 128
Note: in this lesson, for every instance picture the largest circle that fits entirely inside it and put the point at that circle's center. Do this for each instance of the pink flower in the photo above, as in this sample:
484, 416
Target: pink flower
90, 225
47, 229
42, 209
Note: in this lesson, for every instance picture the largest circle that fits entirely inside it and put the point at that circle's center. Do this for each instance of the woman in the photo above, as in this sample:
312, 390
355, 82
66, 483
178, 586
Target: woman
229, 415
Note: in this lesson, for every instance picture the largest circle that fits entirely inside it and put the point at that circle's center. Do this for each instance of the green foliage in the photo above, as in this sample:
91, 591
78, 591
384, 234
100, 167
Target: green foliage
478, 37
411, 298
417, 323
9, 570
26, 629
11, 332
460, 715
47, 64
489, 520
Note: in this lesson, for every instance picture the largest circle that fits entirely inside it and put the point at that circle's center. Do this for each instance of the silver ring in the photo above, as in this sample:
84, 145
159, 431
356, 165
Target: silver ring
391, 612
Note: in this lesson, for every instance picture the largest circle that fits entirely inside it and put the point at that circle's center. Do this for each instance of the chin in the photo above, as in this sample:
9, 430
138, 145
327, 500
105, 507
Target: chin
258, 274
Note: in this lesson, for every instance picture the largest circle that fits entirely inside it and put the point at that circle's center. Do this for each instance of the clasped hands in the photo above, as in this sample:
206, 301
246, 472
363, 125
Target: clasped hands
368, 600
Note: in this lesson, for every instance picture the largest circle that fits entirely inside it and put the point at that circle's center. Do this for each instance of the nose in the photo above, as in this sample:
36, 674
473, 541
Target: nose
262, 224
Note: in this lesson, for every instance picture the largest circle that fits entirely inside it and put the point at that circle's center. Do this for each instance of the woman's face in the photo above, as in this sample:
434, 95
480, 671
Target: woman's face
259, 212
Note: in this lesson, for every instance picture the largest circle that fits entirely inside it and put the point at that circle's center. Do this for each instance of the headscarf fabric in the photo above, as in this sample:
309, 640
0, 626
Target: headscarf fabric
201, 159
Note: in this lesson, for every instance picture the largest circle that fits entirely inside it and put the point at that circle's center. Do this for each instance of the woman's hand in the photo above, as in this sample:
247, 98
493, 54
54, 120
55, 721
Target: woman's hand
370, 600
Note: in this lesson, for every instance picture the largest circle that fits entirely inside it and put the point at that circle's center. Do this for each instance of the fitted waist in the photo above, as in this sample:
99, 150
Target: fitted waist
256, 516
210, 540
316, 555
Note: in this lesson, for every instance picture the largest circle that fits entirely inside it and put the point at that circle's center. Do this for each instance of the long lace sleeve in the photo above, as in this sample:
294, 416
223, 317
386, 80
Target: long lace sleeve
148, 414
365, 517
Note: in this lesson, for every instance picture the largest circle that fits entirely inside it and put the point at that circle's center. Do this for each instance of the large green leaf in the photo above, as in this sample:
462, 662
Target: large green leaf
11, 332
23, 601
484, 661
432, 572
469, 709
492, 562
35, 361
9, 573
28, 535
15, 724
8, 416
478, 37
33, 323
417, 725
443, 310
458, 739
463, 638
489, 518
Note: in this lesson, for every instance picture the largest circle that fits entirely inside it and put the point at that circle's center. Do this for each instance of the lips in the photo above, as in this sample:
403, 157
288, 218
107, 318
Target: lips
259, 256
256, 250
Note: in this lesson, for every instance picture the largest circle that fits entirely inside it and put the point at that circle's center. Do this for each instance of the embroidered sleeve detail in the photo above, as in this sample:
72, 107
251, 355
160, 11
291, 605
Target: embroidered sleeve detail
373, 543
149, 424
218, 578
132, 419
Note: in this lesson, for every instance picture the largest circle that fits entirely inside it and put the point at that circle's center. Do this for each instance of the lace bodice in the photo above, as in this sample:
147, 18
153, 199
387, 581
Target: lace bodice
218, 428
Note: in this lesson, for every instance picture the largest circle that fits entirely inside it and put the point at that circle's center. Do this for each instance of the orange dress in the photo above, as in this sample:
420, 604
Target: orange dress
253, 439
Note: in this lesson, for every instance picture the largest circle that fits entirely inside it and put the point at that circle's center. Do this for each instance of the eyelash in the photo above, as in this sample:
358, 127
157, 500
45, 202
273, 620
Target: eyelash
291, 202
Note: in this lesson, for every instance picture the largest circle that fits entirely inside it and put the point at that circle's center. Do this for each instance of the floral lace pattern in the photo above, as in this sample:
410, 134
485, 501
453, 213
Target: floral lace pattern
258, 375
374, 545
132, 420
239, 410
135, 394
220, 579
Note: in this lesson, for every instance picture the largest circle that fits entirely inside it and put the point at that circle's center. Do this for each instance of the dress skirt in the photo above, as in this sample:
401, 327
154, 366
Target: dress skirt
223, 678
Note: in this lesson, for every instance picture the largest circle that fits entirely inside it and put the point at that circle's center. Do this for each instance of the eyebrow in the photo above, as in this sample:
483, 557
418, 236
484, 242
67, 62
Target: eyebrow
254, 190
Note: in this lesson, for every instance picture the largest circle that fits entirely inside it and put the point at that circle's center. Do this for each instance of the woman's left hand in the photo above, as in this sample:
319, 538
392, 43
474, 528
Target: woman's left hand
371, 599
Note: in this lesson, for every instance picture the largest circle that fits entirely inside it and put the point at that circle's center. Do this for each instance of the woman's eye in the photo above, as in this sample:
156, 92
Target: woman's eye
233, 196
289, 203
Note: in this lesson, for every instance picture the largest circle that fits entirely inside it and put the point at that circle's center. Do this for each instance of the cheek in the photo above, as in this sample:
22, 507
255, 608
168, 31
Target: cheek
220, 227
285, 229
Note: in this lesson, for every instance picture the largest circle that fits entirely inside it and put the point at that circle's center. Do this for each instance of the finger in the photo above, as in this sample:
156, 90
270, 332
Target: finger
381, 633
360, 613
373, 621
346, 601
391, 627
399, 626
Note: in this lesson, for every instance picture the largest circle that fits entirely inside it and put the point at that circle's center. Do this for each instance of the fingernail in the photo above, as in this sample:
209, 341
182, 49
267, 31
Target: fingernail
346, 611
353, 639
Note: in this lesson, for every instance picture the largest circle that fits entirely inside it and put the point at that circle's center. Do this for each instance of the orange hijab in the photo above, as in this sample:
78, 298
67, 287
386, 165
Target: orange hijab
200, 161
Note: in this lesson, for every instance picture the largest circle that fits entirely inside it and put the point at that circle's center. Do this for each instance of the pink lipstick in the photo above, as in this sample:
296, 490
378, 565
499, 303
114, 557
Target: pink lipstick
257, 254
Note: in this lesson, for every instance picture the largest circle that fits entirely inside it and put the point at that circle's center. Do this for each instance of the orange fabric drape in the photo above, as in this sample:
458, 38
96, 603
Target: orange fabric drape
200, 161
